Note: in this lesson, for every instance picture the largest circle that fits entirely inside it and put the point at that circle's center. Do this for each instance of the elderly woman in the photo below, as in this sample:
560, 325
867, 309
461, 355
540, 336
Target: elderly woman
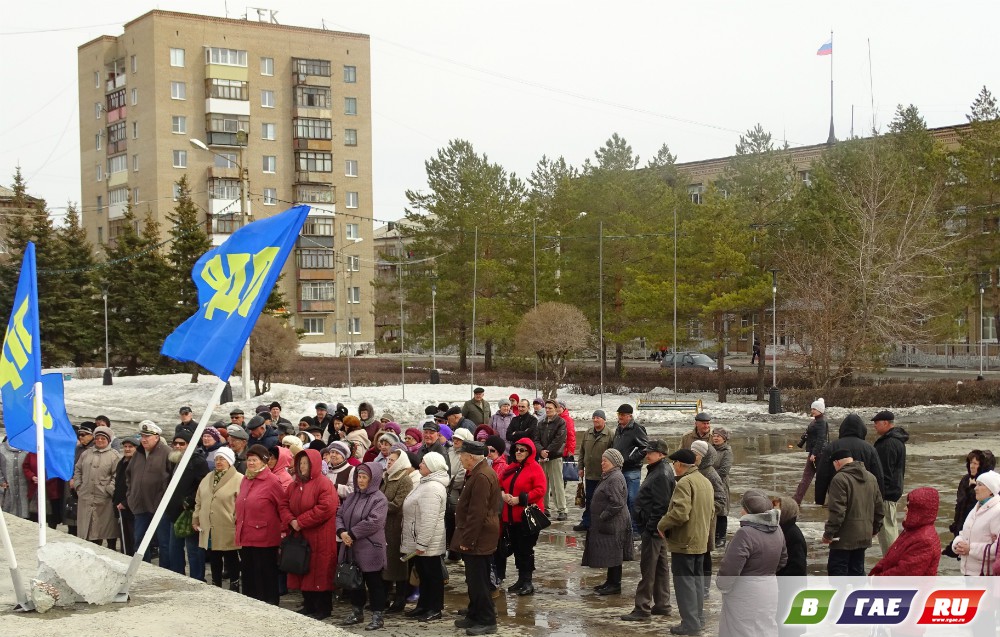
609, 538
339, 471
295, 443
413, 439
280, 464
396, 487
976, 462
13, 483
917, 550
723, 464
94, 481
214, 518
981, 528
361, 529
211, 441
423, 534
385, 443
313, 502
522, 484
356, 433
747, 571
262, 515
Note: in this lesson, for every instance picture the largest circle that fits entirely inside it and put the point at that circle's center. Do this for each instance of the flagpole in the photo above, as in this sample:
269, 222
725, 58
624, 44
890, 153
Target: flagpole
20, 592
832, 138
40, 444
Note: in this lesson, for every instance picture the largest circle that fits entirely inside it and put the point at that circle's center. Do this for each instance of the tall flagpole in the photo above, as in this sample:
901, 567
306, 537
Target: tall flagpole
40, 474
832, 138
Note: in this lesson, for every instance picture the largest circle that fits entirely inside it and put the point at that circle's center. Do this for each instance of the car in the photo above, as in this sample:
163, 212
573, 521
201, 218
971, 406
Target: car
692, 360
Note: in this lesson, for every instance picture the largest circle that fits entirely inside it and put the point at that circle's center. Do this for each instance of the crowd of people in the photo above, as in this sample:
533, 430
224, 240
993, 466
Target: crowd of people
393, 505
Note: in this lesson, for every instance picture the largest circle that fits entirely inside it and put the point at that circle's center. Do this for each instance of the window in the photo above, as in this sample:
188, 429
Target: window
352, 231
312, 67
314, 259
100, 234
116, 133
98, 109
229, 57
178, 91
351, 168
354, 325
354, 264
350, 137
176, 57
118, 196
228, 123
806, 177
218, 88
97, 79
135, 96
352, 200
180, 159
695, 192
132, 61
224, 189
306, 128
267, 99
354, 295
225, 160
267, 131
270, 196
97, 140
270, 163
135, 195
312, 325
116, 100
350, 74
989, 328
117, 164
314, 162
314, 194
135, 163
100, 172
100, 204
135, 130
317, 290
350, 106
267, 66
312, 96
177, 191
178, 124
318, 227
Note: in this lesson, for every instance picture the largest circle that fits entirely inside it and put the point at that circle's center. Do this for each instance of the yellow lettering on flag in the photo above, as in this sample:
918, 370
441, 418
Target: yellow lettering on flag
46, 417
233, 291
18, 345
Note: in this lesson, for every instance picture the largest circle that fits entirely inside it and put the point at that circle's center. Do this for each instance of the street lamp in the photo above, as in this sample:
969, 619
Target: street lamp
433, 325
984, 279
774, 402
107, 359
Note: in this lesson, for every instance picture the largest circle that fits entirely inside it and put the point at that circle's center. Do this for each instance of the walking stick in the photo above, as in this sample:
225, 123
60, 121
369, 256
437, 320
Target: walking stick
121, 527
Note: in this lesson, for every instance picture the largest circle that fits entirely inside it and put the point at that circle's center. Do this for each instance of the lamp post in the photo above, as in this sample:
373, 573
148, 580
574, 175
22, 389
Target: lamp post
774, 397
433, 325
107, 357
534, 281
984, 278
241, 142
475, 276
600, 293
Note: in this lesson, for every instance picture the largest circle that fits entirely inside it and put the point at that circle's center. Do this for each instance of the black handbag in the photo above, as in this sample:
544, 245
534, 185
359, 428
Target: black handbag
536, 519
295, 554
349, 576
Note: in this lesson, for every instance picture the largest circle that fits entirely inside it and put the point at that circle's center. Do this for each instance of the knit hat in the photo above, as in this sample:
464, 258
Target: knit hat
391, 437
351, 422
274, 404
260, 451
755, 501
214, 433
700, 447
131, 440
614, 457
430, 410
722, 432
600, 414
393, 427
561, 403
291, 441
321, 406
340, 447
538, 401
462, 434
482, 435
235, 431
106, 432
434, 462
819, 405
496, 442
503, 402
990, 480
413, 432
183, 434
446, 431
841, 454
227, 453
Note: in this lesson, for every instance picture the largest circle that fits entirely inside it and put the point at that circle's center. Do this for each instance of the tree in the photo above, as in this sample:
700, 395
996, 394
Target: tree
75, 321
553, 332
273, 349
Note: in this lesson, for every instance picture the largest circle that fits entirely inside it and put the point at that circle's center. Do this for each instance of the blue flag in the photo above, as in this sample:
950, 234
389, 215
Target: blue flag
234, 281
20, 369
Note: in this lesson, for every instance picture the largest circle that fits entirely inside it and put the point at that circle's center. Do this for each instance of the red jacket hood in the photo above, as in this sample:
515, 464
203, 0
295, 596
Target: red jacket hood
284, 461
315, 464
921, 508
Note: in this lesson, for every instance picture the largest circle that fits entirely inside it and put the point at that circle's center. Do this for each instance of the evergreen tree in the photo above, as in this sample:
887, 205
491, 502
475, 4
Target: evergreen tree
75, 316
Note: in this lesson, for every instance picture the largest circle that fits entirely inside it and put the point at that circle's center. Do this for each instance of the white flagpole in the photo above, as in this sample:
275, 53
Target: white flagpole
140, 550
40, 443
20, 591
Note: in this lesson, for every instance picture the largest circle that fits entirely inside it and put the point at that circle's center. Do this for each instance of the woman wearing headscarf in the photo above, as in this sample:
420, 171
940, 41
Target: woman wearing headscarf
262, 514
369, 422
356, 433
313, 503
280, 464
396, 486
747, 571
976, 462
381, 455
916, 552
723, 463
214, 518
423, 533
94, 481
13, 482
522, 484
483, 432
339, 471
413, 439
977, 539
609, 538
361, 529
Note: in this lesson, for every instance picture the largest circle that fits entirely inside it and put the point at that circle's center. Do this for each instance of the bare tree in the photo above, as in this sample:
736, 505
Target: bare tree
552, 332
273, 348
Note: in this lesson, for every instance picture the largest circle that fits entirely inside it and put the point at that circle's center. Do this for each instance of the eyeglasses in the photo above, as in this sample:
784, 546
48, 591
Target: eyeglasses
179, 444
520, 450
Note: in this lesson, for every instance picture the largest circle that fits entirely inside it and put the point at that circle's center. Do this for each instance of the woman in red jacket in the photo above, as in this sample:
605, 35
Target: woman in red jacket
523, 484
262, 515
313, 501
917, 550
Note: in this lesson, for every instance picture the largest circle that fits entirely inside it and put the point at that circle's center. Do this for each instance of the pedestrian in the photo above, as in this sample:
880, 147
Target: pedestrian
496, 454
747, 571
813, 441
187, 423
262, 433
280, 464
976, 462
652, 595
551, 444
236, 417
688, 521
323, 418
891, 449
515, 404
500, 421
795, 542
630, 441
146, 479
120, 499
84, 441
524, 425
183, 499
361, 530
852, 438
13, 482
916, 552
94, 481
977, 539
702, 430
457, 472
366, 415
423, 534
523, 484
396, 486
412, 438
477, 408
755, 351
313, 503
477, 531
569, 451
211, 441
723, 464
855, 515
609, 539
214, 519
432, 442
704, 455
593, 444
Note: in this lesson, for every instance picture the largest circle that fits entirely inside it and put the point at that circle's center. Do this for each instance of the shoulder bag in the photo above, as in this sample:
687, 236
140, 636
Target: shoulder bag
349, 576
569, 470
536, 519
295, 554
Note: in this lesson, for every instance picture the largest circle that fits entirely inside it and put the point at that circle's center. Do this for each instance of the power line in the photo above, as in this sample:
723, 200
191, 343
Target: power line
89, 26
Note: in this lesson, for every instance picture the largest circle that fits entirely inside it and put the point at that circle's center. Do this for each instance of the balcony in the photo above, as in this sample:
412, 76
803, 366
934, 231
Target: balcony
116, 114
317, 306
119, 146
229, 107
313, 177
313, 144
116, 82
303, 79
312, 112
314, 274
226, 213
217, 172
213, 138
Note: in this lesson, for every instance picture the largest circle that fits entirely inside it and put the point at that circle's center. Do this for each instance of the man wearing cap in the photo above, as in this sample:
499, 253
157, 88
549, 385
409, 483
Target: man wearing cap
855, 515
119, 499
237, 417
702, 430
593, 444
146, 481
94, 481
323, 418
891, 449
652, 595
261, 433
687, 527
455, 419
432, 442
477, 530
283, 425
238, 442
187, 420
551, 443
477, 409
630, 441
183, 498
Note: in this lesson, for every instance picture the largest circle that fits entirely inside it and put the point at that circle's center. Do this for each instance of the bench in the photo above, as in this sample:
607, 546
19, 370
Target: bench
670, 404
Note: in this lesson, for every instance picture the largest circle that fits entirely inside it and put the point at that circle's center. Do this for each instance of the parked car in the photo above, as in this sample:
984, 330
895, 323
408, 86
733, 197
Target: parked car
692, 360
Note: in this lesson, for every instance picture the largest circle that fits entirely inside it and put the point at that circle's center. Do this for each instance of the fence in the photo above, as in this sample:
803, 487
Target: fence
946, 355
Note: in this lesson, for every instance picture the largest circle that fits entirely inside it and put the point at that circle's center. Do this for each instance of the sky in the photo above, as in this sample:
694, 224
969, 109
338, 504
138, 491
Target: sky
522, 79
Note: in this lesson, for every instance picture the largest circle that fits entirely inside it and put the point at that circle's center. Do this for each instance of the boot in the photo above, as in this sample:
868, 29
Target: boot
356, 617
376, 622
517, 586
398, 601
234, 585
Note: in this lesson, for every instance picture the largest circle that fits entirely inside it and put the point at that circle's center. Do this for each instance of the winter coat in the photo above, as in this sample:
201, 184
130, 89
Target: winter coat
522, 426
477, 520
891, 450
552, 437
146, 478
313, 503
371, 424
693, 435
855, 508
817, 437
526, 481
654, 496
570, 448
53, 486
457, 482
980, 530
270, 438
396, 486
478, 413
917, 550
361, 441
283, 468
187, 487
15, 497
262, 513
965, 498
723, 461
120, 496
342, 478
592, 447
501, 423
690, 518
852, 437
423, 516
630, 440
720, 492
746, 577
94, 480
795, 542
609, 538
499, 465
362, 515
215, 510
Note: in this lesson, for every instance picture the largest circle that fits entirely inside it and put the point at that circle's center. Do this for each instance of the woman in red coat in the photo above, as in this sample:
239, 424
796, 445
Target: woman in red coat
313, 501
523, 484
917, 550
54, 488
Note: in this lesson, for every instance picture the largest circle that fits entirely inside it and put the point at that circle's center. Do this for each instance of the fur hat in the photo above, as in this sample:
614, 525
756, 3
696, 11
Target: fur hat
352, 422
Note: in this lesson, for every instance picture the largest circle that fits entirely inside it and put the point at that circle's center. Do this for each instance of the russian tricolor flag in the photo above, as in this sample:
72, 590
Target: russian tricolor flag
827, 48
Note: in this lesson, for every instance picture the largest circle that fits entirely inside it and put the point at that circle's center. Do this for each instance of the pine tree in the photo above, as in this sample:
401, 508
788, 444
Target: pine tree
189, 242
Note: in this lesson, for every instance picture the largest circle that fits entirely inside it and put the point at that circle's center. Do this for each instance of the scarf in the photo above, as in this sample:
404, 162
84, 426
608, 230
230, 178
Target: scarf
216, 476
251, 474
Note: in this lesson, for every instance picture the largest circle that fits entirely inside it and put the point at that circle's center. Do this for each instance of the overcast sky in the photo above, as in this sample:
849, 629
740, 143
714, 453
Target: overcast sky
524, 79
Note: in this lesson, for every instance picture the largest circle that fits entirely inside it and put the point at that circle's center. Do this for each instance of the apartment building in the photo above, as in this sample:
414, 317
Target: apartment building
283, 112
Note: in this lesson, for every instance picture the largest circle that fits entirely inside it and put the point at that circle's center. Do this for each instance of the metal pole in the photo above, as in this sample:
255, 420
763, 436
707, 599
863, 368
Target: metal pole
350, 328
774, 327
433, 326
475, 272
674, 344
107, 364
982, 290
534, 280
40, 444
402, 351
600, 288
244, 183
20, 592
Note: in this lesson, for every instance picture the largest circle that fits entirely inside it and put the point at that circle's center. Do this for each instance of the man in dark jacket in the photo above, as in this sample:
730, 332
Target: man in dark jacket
630, 441
523, 425
852, 438
816, 436
187, 423
323, 418
183, 498
855, 515
652, 595
261, 433
593, 444
238, 439
432, 442
891, 449
146, 480
551, 444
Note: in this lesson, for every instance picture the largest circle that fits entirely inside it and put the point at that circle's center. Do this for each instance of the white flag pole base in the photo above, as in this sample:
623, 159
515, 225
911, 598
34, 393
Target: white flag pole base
24, 602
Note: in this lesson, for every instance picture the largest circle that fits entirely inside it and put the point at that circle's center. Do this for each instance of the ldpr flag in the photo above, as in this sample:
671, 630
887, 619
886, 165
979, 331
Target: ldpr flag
234, 281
